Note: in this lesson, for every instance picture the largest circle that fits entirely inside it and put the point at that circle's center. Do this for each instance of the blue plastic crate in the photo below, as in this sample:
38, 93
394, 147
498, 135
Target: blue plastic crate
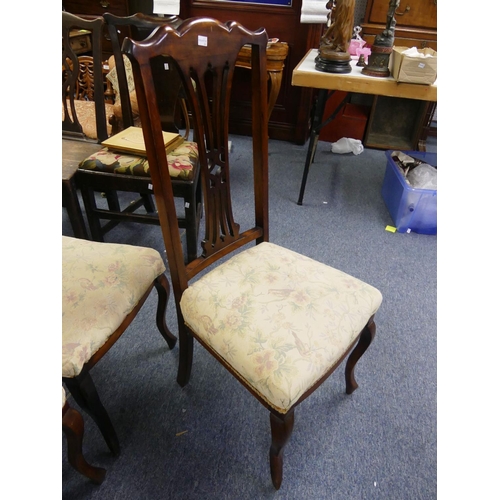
410, 208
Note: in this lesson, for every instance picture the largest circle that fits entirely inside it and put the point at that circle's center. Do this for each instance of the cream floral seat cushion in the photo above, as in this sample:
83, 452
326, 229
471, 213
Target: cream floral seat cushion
101, 284
311, 313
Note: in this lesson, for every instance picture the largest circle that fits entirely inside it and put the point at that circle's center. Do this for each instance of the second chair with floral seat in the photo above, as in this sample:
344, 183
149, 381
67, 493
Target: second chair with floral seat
280, 322
104, 286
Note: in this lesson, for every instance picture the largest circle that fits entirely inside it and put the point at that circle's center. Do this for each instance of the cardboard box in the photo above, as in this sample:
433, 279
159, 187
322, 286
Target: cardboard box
405, 68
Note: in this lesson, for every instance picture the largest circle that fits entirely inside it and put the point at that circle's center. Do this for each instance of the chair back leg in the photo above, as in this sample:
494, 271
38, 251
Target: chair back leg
82, 388
163, 289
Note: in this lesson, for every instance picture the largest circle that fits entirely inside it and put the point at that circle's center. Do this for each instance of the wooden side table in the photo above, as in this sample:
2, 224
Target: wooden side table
276, 55
305, 74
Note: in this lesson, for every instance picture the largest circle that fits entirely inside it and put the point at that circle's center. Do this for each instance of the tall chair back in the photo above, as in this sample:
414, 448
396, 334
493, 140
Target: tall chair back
141, 26
206, 72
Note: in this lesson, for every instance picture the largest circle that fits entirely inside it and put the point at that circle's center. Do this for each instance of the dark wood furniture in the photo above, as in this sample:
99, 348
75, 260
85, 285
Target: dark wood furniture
73, 426
92, 180
98, 8
276, 54
290, 118
73, 135
80, 41
249, 311
416, 22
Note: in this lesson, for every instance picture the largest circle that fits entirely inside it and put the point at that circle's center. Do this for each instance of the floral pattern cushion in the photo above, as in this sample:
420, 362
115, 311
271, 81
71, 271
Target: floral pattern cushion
181, 162
101, 284
278, 318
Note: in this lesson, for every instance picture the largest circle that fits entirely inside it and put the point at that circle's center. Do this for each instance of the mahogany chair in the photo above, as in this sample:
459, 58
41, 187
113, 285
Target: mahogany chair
72, 425
107, 171
278, 321
104, 286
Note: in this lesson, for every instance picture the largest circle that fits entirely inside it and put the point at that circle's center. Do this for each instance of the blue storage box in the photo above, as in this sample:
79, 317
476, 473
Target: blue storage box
410, 208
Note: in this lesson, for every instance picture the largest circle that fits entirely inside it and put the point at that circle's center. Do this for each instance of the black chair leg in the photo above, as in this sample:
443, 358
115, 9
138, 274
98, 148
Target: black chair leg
149, 203
185, 356
72, 204
88, 196
82, 388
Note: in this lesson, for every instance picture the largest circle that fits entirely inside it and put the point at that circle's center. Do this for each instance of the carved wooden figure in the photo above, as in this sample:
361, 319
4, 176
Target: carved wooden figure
334, 54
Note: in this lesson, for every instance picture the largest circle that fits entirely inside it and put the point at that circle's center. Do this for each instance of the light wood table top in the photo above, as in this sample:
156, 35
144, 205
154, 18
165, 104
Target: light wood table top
306, 75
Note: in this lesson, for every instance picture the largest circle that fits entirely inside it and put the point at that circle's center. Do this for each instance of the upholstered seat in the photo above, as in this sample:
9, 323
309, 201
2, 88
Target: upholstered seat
101, 284
269, 289
104, 286
182, 162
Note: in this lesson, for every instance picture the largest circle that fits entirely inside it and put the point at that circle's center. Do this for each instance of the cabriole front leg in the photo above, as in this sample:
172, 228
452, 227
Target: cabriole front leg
365, 339
281, 430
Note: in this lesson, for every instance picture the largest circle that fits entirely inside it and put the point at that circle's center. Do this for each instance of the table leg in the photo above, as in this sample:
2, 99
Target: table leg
316, 126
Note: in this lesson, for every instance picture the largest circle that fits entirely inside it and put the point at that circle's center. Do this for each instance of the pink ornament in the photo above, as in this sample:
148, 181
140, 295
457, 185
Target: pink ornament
366, 51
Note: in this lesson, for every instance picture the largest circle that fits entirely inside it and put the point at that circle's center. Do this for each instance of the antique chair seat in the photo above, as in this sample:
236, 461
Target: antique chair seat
312, 315
182, 162
101, 284
104, 285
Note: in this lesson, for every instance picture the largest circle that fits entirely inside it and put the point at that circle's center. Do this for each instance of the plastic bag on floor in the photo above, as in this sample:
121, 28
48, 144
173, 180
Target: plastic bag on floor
346, 145
423, 176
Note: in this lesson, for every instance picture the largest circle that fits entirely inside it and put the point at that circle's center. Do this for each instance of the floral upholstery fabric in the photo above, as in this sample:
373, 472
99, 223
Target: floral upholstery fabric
181, 162
113, 78
278, 318
85, 110
101, 284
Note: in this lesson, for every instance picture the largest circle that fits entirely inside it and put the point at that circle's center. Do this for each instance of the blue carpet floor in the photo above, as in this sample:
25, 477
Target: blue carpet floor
210, 440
